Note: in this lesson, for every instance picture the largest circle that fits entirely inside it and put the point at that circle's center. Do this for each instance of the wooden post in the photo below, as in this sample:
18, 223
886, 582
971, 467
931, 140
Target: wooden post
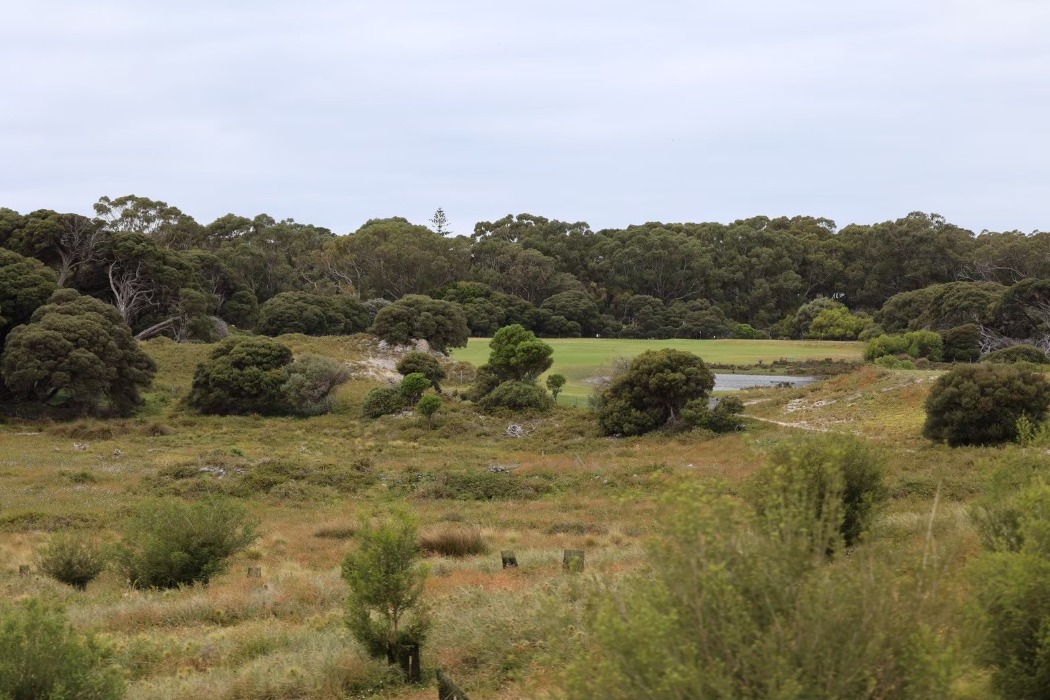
509, 560
573, 561
23, 569
254, 572
406, 656
447, 690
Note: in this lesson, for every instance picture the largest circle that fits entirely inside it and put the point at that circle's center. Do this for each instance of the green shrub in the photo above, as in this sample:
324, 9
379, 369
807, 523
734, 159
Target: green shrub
418, 317
892, 362
1018, 353
998, 514
981, 404
926, 344
424, 364
412, 387
745, 331
43, 658
384, 609
841, 477
168, 543
520, 397
71, 559
555, 382
244, 374
653, 391
311, 381
723, 418
962, 343
481, 486
730, 608
383, 401
427, 407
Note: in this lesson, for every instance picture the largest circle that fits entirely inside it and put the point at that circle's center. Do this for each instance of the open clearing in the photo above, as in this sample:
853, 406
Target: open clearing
581, 359
500, 634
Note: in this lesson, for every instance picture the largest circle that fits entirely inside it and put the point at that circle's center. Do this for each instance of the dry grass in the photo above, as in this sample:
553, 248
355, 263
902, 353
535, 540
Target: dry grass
456, 542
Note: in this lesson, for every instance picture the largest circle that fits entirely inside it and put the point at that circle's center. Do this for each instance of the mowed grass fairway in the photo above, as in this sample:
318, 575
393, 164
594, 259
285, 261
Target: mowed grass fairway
581, 359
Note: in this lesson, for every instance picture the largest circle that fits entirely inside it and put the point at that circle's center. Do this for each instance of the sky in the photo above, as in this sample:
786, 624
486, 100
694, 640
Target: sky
608, 112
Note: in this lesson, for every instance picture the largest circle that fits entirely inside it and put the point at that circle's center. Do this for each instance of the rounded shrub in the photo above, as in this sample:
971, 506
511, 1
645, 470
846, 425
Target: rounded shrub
425, 364
168, 544
962, 343
412, 387
518, 396
244, 375
383, 401
980, 404
43, 658
71, 559
1018, 353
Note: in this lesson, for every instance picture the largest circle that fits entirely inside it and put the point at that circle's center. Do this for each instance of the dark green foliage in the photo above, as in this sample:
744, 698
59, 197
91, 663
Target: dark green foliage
412, 387
311, 381
241, 309
417, 317
837, 324
744, 331
723, 418
424, 364
43, 658
842, 477
653, 391
576, 307
962, 343
25, 284
385, 608
168, 543
311, 314
383, 401
243, 375
941, 306
76, 355
1018, 353
980, 404
71, 559
517, 396
797, 325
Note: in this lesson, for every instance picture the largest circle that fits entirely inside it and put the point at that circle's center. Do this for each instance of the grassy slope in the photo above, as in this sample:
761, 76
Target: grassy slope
580, 359
495, 631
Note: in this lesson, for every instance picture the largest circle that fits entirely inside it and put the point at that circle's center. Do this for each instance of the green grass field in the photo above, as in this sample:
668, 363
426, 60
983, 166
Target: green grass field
581, 359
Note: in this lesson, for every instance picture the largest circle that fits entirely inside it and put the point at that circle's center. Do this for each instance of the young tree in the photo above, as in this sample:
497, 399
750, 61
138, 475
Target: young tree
439, 222
518, 355
412, 387
555, 382
385, 610
427, 407
425, 364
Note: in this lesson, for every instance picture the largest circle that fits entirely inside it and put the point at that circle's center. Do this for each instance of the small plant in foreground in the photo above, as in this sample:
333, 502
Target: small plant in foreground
168, 543
385, 610
427, 407
43, 658
71, 559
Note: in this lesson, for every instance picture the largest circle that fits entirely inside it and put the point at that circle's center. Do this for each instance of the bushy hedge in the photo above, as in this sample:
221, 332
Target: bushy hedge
980, 404
518, 396
916, 344
383, 401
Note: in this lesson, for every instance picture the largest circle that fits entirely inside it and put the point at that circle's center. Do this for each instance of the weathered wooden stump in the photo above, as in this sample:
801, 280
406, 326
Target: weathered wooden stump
573, 561
254, 572
23, 569
407, 657
447, 690
509, 560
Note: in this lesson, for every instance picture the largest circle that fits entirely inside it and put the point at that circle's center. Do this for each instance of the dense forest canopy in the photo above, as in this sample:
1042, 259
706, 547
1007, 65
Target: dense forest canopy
168, 274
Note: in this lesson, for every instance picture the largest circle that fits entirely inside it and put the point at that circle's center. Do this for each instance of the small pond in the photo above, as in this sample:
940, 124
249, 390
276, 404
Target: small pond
734, 382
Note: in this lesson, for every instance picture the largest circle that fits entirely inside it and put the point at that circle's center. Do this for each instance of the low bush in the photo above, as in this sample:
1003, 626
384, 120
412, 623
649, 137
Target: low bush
412, 387
841, 478
894, 362
168, 544
311, 381
43, 658
519, 397
1018, 353
962, 343
425, 364
480, 486
723, 418
454, 542
71, 559
916, 344
383, 401
980, 404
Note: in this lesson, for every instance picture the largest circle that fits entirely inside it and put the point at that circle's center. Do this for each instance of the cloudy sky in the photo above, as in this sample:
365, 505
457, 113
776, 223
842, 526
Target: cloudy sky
610, 112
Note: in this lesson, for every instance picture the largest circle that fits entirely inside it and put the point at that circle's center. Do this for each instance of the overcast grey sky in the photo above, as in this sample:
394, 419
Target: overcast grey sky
610, 112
